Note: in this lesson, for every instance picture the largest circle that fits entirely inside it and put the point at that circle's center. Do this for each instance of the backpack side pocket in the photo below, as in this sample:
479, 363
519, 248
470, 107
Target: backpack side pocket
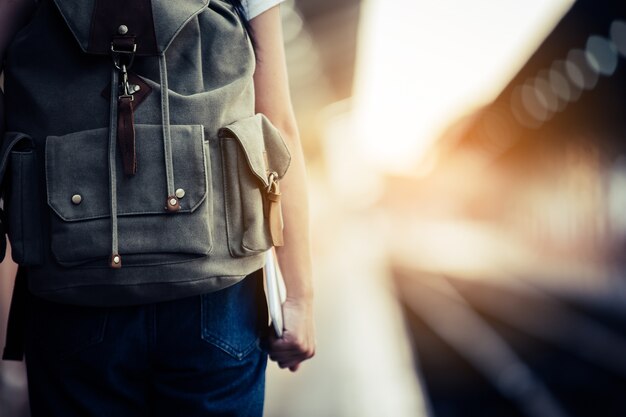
252, 150
22, 199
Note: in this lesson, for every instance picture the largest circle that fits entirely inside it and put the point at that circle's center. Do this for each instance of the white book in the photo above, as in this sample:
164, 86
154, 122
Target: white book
274, 291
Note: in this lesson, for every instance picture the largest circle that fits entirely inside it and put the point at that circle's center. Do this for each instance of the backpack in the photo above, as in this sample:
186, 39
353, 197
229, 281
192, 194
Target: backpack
134, 168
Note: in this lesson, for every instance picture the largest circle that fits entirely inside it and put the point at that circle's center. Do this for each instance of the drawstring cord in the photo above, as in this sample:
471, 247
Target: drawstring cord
172, 204
123, 49
115, 261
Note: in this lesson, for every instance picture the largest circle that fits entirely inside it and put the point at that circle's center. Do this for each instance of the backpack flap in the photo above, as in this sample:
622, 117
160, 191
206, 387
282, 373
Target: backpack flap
153, 23
263, 146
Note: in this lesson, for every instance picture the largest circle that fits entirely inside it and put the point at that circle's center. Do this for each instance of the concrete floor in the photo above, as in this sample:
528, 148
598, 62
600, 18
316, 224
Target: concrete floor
363, 365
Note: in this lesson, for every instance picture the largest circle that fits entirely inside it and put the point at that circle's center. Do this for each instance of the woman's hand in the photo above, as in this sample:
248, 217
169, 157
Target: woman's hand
298, 341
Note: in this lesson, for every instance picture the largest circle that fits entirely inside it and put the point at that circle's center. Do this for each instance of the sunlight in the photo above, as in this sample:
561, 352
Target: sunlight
422, 65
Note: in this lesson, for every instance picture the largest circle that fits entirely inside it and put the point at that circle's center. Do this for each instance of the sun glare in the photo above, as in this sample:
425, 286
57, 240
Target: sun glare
422, 65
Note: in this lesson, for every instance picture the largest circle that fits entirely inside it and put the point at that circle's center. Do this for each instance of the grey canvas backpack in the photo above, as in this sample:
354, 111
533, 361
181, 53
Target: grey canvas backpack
134, 166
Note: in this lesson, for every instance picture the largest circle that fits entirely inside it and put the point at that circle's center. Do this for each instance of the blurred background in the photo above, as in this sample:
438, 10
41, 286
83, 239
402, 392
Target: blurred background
467, 175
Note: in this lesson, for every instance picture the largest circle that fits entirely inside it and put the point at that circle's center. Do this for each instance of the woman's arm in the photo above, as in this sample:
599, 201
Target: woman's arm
294, 258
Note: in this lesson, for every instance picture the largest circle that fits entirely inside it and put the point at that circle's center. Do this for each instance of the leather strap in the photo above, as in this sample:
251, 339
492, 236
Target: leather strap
126, 134
275, 216
115, 261
109, 15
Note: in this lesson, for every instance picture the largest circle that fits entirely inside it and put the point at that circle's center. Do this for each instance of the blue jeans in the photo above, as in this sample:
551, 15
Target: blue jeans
197, 356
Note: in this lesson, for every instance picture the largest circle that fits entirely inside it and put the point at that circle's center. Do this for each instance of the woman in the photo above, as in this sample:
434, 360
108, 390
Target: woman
148, 359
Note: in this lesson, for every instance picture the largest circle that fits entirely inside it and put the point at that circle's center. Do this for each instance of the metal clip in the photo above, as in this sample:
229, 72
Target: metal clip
125, 87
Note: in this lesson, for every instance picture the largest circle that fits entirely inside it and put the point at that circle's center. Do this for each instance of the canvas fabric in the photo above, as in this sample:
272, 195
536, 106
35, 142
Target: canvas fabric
195, 130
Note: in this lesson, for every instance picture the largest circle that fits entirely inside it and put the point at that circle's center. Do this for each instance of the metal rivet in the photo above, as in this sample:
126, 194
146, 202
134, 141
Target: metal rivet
173, 201
77, 198
116, 259
122, 30
180, 193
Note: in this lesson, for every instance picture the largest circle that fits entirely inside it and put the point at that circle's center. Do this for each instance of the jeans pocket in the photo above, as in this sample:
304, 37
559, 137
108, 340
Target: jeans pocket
64, 330
232, 319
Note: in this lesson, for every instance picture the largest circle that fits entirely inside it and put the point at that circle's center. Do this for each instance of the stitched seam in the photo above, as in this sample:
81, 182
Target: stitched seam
77, 264
142, 283
197, 12
125, 214
227, 347
70, 27
226, 198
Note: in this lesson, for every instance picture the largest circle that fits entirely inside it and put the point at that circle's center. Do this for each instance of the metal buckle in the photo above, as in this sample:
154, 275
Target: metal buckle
272, 179
117, 54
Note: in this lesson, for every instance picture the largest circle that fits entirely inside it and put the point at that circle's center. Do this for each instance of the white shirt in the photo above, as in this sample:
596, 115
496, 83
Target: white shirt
254, 8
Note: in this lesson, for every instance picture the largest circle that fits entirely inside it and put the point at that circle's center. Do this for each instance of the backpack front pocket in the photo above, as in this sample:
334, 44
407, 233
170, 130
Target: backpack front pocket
77, 176
252, 152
